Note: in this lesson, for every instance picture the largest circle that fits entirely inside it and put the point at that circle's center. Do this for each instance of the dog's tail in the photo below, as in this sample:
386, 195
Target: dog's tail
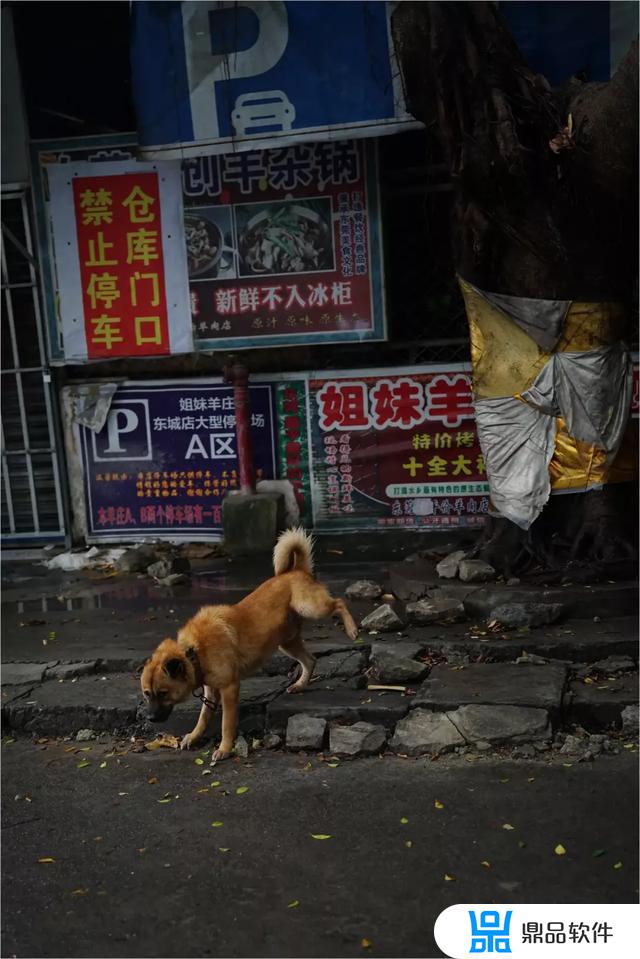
294, 550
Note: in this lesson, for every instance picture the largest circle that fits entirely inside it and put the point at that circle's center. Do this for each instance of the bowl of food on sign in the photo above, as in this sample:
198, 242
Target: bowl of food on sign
206, 251
285, 238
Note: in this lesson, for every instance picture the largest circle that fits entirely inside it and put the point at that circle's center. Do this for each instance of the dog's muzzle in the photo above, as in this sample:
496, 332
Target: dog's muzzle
159, 714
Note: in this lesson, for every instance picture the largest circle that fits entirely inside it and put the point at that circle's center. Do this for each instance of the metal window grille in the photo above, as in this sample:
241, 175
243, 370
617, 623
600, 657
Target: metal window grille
31, 507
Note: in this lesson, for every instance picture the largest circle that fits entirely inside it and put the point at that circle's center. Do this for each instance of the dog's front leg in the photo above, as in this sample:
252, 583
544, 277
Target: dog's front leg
230, 696
200, 727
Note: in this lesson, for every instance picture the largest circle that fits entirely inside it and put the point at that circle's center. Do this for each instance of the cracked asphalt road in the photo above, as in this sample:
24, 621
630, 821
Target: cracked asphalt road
135, 876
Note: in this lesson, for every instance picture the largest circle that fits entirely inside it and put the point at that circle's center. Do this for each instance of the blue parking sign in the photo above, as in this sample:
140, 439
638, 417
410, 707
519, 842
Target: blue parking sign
214, 77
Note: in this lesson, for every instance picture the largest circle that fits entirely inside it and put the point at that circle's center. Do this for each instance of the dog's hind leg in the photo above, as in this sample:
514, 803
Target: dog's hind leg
296, 648
200, 727
313, 601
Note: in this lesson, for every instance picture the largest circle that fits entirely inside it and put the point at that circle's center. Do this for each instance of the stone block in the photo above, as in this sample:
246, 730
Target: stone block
14, 674
363, 589
493, 684
305, 732
251, 522
423, 732
475, 571
427, 611
383, 619
361, 739
501, 724
514, 615
342, 705
600, 704
447, 568
390, 668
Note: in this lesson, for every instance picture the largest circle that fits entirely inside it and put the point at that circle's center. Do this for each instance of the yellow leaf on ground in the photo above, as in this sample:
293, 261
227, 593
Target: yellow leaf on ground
617, 865
217, 823
319, 835
507, 825
85, 762
560, 850
199, 762
294, 904
333, 765
216, 783
241, 790
79, 892
224, 849
438, 804
365, 943
404, 820
46, 859
164, 741
103, 765
448, 878
485, 863
152, 780
408, 844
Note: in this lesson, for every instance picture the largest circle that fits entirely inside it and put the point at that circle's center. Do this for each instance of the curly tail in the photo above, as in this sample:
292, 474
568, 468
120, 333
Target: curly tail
294, 550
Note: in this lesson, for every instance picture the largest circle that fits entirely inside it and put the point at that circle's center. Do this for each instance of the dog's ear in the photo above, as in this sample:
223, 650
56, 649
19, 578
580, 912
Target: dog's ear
174, 668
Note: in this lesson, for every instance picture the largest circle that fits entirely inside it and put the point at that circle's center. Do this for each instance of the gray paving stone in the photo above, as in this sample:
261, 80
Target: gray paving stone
423, 732
498, 724
475, 571
363, 589
397, 647
384, 619
13, 674
305, 732
600, 704
427, 611
71, 670
344, 705
514, 615
340, 665
629, 718
360, 739
447, 568
390, 668
493, 684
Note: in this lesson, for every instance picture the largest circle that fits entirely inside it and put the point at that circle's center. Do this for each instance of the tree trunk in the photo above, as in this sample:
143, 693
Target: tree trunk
545, 207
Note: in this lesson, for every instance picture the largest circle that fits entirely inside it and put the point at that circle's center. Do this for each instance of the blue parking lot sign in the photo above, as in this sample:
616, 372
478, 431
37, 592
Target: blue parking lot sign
221, 76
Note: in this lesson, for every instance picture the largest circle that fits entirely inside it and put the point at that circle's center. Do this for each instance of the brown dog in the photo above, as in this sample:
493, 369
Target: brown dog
221, 645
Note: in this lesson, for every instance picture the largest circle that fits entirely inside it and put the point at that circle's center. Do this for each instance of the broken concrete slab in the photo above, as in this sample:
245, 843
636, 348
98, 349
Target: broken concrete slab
391, 668
397, 647
493, 684
383, 619
629, 717
601, 704
501, 724
14, 674
427, 611
305, 732
262, 689
90, 703
360, 739
447, 568
475, 571
514, 615
409, 582
363, 589
71, 670
340, 665
423, 732
614, 664
343, 705
605, 600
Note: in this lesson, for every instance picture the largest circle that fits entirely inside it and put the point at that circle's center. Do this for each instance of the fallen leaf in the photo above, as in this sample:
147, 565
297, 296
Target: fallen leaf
216, 783
319, 835
503, 780
123, 794
336, 552
408, 844
85, 762
568, 765
224, 849
205, 790
365, 943
485, 863
142, 849
507, 825
531, 779
168, 799
79, 892
333, 765
84, 749
617, 865
46, 859
152, 780
404, 820
164, 741
438, 804
98, 838
521, 843
199, 762
103, 765
241, 790
217, 823
448, 878
294, 904
597, 853
307, 767
560, 850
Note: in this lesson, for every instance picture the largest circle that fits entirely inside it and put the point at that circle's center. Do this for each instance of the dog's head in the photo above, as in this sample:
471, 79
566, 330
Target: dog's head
167, 679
